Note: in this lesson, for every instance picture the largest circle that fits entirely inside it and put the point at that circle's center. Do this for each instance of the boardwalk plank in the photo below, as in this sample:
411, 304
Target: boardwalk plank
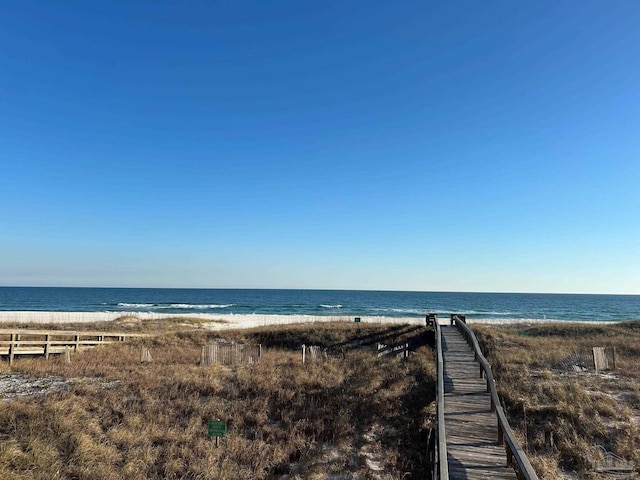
471, 427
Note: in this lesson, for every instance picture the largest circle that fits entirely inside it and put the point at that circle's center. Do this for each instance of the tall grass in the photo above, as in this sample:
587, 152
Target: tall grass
122, 419
563, 417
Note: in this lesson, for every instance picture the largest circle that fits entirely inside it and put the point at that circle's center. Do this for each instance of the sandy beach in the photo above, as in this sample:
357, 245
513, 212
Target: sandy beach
214, 321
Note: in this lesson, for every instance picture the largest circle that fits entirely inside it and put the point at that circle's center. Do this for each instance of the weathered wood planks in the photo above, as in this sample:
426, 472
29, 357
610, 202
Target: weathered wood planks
471, 426
48, 342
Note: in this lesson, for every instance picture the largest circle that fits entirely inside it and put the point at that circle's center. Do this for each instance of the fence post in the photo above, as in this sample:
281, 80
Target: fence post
613, 359
500, 434
259, 352
145, 355
303, 352
77, 342
67, 354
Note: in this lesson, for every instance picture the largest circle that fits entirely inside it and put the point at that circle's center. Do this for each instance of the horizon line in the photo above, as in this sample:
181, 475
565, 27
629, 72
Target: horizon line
318, 289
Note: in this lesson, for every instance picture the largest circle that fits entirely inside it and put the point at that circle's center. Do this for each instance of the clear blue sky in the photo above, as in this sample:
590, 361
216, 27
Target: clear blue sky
413, 145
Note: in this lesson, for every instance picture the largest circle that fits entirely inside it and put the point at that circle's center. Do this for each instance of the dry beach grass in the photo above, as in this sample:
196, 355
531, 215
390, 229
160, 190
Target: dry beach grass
563, 417
361, 417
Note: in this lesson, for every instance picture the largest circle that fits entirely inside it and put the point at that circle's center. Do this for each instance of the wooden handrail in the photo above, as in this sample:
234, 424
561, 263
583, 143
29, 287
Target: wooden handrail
46, 342
23, 343
441, 467
516, 457
25, 331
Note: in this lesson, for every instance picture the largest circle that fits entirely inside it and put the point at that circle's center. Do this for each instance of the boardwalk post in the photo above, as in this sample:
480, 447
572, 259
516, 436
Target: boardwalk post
303, 352
11, 348
509, 455
77, 340
500, 434
47, 346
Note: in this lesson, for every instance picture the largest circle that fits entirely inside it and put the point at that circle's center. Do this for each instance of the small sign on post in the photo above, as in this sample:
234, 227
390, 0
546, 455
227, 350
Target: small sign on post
217, 429
356, 319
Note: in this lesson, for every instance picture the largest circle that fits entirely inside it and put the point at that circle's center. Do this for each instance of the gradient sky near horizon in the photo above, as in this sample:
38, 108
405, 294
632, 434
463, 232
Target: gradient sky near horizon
431, 146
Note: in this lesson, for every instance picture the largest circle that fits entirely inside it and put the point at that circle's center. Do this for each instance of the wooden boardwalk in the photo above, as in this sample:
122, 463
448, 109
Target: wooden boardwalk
49, 342
471, 426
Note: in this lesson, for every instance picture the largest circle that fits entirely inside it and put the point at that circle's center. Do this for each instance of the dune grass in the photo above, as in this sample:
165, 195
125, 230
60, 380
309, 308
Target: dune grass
563, 416
360, 417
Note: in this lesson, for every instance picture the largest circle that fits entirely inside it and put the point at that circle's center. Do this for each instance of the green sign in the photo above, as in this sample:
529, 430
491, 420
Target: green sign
217, 428
357, 319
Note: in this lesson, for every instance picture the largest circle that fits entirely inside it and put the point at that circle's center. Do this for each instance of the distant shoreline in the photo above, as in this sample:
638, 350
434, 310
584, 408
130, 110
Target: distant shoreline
226, 321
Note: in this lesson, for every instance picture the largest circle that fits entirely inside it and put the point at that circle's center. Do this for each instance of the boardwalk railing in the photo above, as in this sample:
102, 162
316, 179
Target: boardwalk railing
401, 350
516, 456
440, 462
49, 342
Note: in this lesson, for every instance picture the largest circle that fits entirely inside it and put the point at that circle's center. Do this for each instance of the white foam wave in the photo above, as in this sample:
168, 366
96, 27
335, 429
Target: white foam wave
406, 310
471, 312
187, 306
331, 306
199, 307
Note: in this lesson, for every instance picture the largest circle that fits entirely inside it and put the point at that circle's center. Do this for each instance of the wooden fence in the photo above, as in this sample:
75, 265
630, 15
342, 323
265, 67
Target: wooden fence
230, 354
596, 358
612, 466
51, 342
316, 353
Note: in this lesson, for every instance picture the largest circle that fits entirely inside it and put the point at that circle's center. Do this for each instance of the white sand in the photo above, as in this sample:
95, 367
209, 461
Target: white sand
229, 321
217, 321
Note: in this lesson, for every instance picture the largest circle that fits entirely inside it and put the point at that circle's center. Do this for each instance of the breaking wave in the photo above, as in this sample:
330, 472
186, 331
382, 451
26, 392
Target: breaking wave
185, 306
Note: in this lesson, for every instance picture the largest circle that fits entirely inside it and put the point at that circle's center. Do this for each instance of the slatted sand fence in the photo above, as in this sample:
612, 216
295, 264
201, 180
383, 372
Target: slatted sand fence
224, 353
480, 442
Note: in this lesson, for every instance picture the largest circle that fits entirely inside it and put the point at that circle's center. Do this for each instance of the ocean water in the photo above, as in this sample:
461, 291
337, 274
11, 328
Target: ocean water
485, 306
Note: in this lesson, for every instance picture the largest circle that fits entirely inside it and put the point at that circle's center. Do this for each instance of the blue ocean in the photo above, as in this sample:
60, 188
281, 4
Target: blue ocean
489, 306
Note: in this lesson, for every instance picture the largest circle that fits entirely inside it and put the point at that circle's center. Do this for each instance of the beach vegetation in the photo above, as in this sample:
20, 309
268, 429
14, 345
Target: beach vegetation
565, 417
118, 418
